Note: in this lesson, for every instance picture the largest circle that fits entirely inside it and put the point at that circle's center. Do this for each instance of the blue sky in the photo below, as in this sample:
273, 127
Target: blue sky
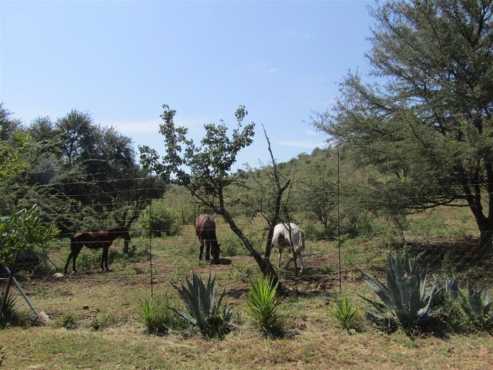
121, 60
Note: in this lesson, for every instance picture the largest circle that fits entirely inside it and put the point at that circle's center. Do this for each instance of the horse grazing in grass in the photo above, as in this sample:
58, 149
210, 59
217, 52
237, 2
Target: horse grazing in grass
101, 239
205, 228
289, 235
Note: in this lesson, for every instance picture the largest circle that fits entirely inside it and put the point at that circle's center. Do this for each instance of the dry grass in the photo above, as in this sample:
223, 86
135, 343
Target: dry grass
315, 342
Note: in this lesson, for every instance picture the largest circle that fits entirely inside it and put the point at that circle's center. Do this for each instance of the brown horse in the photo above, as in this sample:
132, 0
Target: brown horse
95, 240
205, 228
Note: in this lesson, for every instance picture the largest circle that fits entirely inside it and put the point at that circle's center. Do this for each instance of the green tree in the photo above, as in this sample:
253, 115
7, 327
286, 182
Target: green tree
206, 169
425, 121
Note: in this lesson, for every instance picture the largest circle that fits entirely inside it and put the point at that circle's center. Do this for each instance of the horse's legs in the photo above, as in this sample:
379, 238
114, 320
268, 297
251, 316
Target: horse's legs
280, 256
301, 262
75, 252
201, 249
104, 259
207, 250
68, 262
295, 259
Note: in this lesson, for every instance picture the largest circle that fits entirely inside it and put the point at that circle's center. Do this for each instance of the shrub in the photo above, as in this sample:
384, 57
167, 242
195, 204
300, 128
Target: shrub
159, 220
231, 246
406, 298
346, 313
204, 307
263, 306
103, 320
69, 322
159, 316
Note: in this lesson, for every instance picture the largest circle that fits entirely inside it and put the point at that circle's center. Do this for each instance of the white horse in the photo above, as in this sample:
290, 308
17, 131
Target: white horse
289, 235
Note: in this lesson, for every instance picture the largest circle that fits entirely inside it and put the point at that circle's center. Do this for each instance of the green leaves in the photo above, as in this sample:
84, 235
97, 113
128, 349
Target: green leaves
477, 306
424, 121
406, 297
204, 168
205, 307
263, 306
23, 231
346, 313
9, 313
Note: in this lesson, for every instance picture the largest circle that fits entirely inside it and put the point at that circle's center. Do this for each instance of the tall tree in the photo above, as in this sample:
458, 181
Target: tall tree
426, 120
206, 170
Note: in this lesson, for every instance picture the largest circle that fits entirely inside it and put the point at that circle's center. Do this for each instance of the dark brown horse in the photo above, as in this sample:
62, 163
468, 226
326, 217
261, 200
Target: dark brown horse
205, 228
101, 239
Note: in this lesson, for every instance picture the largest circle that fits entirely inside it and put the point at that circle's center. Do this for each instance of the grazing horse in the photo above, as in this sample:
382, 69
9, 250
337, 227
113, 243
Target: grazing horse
95, 240
205, 228
289, 235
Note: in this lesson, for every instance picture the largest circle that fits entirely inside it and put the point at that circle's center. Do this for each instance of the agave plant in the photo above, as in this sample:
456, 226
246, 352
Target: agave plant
205, 307
9, 313
263, 306
477, 306
346, 313
406, 297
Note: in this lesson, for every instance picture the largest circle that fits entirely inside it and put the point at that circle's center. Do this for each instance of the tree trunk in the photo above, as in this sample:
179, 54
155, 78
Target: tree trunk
486, 238
263, 262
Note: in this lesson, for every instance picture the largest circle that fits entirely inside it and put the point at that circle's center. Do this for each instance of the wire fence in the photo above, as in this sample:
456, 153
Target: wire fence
341, 198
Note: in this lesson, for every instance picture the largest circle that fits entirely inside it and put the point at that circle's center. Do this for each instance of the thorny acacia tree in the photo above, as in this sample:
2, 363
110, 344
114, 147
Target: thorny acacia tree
206, 169
428, 125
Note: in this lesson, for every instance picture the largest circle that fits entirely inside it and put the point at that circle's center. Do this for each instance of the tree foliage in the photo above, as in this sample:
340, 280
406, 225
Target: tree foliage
23, 231
206, 169
426, 123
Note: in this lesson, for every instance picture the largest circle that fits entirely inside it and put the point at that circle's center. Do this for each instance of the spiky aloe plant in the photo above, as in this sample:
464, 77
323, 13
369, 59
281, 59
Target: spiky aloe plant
9, 314
263, 306
406, 297
477, 306
205, 307
346, 313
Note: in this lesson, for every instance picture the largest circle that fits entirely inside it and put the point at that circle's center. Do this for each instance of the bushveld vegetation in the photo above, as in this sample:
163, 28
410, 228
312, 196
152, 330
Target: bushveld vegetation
416, 221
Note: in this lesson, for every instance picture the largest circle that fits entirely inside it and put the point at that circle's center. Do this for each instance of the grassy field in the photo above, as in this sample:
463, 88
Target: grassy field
96, 324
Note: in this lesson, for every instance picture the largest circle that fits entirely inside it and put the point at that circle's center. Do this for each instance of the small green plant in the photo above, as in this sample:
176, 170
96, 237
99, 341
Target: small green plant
346, 313
103, 321
477, 306
406, 298
88, 261
9, 314
159, 316
205, 309
263, 306
69, 322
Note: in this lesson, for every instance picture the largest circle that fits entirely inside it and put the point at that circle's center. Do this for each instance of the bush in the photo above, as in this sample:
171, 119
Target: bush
205, 309
406, 299
232, 246
159, 220
263, 306
69, 322
159, 316
346, 313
